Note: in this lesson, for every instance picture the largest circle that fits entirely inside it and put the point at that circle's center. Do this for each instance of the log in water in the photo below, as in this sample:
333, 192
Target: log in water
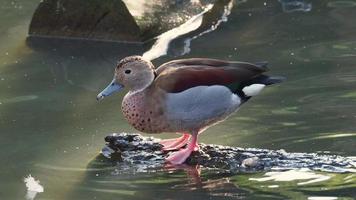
135, 149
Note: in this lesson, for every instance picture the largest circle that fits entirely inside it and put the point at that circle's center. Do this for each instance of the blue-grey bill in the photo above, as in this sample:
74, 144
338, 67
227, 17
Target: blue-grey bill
110, 89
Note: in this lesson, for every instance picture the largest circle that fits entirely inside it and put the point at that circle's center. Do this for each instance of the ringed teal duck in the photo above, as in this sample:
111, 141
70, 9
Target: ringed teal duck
184, 96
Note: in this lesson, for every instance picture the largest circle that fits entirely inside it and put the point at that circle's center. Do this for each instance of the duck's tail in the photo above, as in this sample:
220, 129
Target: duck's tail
254, 86
265, 80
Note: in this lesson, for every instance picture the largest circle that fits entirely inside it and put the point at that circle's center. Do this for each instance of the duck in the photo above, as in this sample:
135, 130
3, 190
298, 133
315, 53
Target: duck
184, 96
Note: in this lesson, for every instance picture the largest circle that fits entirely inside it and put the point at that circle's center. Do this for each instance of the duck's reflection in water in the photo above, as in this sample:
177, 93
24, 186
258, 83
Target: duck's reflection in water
166, 182
218, 186
193, 173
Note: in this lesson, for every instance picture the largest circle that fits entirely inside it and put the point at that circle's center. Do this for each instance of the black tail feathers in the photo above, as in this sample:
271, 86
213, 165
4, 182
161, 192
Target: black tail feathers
268, 80
264, 79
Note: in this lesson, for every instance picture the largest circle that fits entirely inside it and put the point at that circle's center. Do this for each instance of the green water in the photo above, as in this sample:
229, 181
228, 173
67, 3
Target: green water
52, 127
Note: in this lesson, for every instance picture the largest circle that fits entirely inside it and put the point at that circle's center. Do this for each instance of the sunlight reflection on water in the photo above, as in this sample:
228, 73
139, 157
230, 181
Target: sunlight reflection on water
322, 198
294, 175
160, 47
19, 99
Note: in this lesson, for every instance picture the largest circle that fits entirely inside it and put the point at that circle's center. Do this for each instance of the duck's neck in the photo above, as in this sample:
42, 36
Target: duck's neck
141, 84
139, 89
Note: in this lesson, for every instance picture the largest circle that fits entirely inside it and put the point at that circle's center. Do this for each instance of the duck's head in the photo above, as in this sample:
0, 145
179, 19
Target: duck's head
132, 72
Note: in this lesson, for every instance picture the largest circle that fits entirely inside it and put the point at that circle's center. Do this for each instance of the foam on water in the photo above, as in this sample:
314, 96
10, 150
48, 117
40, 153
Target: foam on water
33, 187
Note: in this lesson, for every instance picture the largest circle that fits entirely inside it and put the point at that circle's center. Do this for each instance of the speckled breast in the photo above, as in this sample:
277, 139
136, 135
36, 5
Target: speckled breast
142, 114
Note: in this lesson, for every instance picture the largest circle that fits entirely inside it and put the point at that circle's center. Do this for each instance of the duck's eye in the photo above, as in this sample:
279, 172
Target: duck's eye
127, 71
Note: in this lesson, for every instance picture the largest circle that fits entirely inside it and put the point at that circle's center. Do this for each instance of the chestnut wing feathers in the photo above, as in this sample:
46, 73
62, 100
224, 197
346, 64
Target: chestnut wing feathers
179, 75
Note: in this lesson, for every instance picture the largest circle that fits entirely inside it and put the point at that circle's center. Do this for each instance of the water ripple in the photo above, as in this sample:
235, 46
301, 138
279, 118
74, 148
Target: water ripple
74, 169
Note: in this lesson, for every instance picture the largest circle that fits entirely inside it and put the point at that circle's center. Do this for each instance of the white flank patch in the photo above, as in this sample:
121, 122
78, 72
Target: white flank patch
33, 187
253, 90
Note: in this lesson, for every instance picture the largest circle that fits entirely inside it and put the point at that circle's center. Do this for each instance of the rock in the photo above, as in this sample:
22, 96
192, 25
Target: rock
250, 162
118, 20
145, 152
94, 19
159, 16
106, 29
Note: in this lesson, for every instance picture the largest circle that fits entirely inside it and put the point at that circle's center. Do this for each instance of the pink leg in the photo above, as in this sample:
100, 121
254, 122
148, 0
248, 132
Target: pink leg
196, 147
180, 156
173, 144
178, 144
166, 142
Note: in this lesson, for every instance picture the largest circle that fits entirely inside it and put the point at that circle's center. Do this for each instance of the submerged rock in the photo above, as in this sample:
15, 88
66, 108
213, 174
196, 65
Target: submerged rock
145, 152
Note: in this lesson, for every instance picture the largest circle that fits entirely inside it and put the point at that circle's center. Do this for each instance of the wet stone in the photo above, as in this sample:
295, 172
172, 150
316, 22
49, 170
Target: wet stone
93, 20
146, 153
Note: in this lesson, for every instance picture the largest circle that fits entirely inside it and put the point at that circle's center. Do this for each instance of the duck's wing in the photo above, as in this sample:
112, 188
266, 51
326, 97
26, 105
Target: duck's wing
208, 62
179, 75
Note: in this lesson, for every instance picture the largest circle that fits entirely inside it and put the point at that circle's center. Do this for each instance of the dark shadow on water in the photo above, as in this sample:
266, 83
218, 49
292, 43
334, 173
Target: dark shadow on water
183, 182
90, 49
